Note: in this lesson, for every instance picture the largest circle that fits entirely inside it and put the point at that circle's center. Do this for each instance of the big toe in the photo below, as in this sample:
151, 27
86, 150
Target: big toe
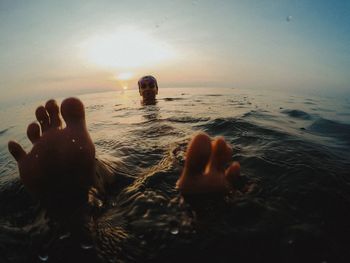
73, 113
198, 154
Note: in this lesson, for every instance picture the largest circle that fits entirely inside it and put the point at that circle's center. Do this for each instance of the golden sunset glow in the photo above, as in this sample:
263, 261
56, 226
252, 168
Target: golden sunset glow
86, 46
125, 48
125, 75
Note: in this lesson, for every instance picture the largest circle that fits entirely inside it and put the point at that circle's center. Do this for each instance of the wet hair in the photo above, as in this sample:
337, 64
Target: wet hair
148, 78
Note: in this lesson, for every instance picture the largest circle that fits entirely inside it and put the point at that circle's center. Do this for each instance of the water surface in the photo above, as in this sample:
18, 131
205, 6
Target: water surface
295, 148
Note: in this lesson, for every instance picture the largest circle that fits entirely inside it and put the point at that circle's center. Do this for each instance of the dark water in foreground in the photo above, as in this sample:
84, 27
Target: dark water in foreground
296, 149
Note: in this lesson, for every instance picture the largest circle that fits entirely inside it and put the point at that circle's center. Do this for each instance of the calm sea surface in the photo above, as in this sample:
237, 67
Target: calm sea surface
296, 149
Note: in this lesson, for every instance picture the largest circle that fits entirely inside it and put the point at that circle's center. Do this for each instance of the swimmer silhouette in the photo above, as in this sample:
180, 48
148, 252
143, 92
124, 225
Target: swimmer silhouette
148, 89
60, 168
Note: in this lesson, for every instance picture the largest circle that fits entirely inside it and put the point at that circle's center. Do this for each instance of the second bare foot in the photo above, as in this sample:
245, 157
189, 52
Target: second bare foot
206, 168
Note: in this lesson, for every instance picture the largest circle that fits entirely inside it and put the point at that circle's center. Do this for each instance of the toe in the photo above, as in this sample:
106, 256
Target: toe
33, 132
73, 113
43, 118
233, 172
198, 154
53, 110
220, 156
236, 180
16, 150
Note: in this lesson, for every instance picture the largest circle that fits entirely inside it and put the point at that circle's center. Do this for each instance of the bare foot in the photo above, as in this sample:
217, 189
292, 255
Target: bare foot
205, 167
61, 165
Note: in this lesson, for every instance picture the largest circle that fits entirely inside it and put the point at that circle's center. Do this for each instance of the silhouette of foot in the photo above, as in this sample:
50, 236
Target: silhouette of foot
61, 165
205, 167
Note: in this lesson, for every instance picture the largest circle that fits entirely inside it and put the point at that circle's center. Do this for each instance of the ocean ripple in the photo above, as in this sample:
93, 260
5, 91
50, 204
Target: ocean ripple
297, 114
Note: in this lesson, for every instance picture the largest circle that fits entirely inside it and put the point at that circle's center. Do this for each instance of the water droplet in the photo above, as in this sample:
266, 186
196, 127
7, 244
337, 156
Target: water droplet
86, 246
146, 214
43, 257
73, 140
289, 18
37, 156
174, 231
65, 235
143, 243
181, 201
99, 203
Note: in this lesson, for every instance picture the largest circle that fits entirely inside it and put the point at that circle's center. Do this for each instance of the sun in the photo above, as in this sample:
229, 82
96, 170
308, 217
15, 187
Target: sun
126, 48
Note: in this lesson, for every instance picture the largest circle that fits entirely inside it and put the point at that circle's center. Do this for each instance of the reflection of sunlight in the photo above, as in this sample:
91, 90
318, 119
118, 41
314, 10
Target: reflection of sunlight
125, 48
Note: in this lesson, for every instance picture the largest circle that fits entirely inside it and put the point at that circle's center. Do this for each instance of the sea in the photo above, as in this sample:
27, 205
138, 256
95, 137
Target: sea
293, 148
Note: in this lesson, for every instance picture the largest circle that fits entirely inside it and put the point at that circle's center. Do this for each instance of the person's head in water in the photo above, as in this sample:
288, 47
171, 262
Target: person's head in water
148, 89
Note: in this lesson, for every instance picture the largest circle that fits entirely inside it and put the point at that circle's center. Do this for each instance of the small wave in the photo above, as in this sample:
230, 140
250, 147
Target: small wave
331, 128
239, 127
122, 109
239, 103
213, 95
173, 99
322, 109
186, 119
259, 114
219, 126
157, 130
95, 107
4, 131
299, 114
343, 113
309, 103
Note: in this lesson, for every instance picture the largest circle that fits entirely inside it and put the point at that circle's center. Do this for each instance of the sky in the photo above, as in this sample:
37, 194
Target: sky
68, 47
